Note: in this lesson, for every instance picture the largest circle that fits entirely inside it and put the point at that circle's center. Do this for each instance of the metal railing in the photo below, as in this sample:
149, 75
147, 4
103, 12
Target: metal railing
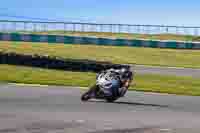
38, 26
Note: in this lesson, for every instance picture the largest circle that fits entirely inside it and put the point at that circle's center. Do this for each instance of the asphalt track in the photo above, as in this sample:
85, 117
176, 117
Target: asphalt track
191, 72
51, 109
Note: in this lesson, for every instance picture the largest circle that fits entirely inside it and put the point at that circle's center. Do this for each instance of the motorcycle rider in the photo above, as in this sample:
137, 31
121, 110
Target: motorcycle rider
126, 77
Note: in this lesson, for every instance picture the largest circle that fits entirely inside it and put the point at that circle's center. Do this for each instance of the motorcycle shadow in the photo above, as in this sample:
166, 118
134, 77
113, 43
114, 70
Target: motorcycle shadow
131, 103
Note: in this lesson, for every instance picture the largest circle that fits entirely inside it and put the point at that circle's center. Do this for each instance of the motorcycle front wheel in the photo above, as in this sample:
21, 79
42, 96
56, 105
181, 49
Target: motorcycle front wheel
88, 95
85, 96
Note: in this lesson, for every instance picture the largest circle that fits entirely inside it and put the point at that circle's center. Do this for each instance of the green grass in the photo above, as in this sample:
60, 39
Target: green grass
114, 54
124, 35
20, 74
150, 83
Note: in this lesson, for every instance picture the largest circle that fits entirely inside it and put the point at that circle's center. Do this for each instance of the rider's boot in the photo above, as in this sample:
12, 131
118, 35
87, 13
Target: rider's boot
122, 91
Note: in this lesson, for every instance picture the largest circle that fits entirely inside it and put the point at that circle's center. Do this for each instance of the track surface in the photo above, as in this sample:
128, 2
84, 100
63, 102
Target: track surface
167, 71
26, 109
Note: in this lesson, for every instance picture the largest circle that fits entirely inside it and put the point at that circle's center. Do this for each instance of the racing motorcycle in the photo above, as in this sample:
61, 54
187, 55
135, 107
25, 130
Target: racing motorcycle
106, 87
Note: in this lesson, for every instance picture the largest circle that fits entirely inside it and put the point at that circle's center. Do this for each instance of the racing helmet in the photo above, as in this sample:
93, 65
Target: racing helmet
124, 70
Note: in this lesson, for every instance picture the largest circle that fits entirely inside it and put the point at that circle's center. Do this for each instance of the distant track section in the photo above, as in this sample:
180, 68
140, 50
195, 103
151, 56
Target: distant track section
167, 71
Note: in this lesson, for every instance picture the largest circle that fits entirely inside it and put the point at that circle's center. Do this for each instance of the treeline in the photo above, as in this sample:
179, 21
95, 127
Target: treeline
50, 62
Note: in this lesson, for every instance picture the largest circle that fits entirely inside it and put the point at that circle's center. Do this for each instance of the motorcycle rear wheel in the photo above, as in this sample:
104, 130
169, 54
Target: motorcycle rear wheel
111, 99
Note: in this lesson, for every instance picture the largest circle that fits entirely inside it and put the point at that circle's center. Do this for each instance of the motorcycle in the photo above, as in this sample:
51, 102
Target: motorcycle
105, 88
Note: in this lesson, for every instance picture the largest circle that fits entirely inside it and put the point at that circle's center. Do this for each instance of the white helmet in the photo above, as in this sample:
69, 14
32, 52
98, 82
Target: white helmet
123, 70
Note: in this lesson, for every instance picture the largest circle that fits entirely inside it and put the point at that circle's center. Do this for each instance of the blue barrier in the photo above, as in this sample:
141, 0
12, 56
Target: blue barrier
97, 41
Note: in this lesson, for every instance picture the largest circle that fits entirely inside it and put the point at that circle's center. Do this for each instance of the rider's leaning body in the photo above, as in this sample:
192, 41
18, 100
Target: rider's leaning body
126, 77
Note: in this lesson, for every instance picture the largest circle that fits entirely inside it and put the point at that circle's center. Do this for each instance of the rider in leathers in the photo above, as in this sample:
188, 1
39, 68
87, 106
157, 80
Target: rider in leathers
126, 77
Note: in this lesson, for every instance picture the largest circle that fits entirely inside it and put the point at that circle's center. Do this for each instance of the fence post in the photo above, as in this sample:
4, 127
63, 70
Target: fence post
119, 26
14, 26
74, 27
82, 28
177, 30
65, 27
138, 29
25, 26
101, 27
44, 27
167, 29
128, 28
34, 27
4, 27
111, 28
185, 31
196, 33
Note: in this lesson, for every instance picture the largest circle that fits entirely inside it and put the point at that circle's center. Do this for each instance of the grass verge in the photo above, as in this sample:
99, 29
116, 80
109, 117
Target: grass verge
114, 54
146, 82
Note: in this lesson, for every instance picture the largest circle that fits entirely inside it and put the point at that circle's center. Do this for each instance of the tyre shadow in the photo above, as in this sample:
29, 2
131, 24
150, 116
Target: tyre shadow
131, 103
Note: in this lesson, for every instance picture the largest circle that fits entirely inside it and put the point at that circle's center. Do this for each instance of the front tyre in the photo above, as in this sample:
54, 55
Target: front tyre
85, 97
88, 95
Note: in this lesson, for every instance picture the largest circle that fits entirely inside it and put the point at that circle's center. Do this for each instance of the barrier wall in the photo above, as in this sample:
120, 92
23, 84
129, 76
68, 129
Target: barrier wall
97, 41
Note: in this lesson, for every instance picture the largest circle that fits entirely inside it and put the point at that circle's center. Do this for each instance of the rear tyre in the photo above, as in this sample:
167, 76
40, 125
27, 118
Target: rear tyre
111, 100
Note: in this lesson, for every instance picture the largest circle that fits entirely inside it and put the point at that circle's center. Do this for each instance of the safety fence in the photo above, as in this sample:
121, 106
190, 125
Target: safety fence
98, 41
40, 26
